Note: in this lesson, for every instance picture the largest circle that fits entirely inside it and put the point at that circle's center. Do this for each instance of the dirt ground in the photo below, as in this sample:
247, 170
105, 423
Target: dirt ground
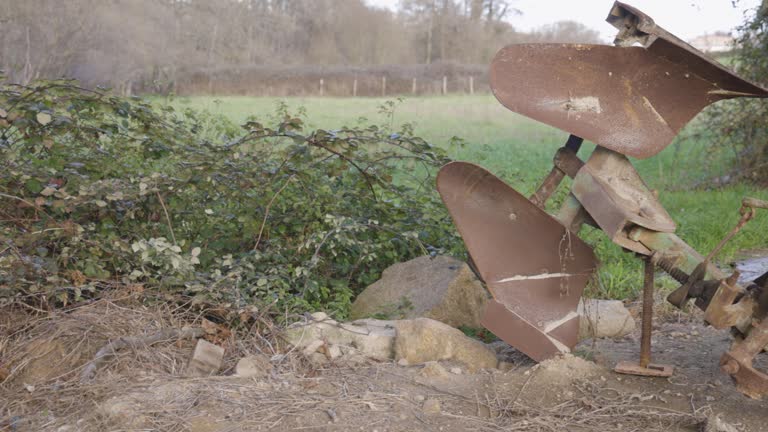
146, 388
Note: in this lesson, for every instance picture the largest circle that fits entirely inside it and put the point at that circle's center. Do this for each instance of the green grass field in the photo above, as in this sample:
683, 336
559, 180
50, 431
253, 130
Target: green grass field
520, 151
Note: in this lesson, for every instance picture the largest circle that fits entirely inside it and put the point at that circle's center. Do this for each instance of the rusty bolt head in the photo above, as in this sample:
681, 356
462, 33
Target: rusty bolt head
730, 367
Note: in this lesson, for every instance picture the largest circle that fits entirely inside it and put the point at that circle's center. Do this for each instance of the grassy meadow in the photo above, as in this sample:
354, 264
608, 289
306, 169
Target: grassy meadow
520, 151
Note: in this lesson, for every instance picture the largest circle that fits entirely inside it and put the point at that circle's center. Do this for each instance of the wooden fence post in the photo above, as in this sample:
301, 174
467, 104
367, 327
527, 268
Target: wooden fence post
471, 85
384, 86
322, 87
413, 86
445, 84
354, 88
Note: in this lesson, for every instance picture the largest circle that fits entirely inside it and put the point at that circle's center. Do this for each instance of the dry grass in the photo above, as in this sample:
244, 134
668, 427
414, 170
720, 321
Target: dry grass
145, 388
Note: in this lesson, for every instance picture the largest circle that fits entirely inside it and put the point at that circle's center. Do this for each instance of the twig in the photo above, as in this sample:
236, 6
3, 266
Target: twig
269, 206
167, 217
111, 348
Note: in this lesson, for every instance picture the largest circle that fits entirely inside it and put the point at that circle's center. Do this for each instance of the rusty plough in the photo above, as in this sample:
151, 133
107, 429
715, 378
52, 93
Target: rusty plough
630, 99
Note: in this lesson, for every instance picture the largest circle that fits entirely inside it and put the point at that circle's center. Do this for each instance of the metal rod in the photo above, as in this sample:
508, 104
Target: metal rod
555, 176
645, 342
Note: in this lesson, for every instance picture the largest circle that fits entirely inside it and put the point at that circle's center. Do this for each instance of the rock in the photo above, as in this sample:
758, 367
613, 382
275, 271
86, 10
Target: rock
431, 407
433, 369
403, 363
423, 339
312, 347
506, 366
206, 360
319, 316
716, 424
333, 351
441, 288
253, 367
604, 319
372, 340
456, 370
317, 359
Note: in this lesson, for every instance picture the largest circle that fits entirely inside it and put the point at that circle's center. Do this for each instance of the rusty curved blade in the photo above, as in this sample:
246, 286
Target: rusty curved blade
631, 100
532, 265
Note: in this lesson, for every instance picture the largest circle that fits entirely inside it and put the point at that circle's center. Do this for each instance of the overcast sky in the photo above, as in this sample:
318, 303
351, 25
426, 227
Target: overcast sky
685, 18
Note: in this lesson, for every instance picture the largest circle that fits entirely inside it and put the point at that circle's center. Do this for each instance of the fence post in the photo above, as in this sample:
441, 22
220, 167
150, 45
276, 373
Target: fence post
413, 86
445, 84
354, 88
384, 86
471, 85
322, 87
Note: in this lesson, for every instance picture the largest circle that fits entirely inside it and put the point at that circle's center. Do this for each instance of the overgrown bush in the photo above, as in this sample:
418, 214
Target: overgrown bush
98, 188
739, 128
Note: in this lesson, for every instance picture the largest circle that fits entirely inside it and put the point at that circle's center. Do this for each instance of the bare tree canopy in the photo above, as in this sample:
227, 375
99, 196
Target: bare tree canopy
112, 42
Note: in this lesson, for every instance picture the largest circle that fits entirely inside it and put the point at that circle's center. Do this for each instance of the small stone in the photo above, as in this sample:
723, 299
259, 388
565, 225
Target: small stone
431, 406
403, 362
319, 316
317, 359
506, 366
333, 352
456, 370
433, 369
253, 367
709, 398
206, 360
312, 347
419, 398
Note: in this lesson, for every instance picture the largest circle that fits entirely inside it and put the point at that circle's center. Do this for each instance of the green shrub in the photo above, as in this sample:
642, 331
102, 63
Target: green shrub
98, 188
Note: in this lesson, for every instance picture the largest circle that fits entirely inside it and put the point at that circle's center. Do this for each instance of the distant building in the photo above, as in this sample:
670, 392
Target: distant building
713, 43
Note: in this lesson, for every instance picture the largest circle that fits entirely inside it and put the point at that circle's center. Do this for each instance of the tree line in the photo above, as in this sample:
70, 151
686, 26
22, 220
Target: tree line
113, 42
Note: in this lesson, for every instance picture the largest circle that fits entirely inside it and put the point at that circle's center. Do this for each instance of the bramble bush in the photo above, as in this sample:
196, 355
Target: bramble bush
737, 130
98, 189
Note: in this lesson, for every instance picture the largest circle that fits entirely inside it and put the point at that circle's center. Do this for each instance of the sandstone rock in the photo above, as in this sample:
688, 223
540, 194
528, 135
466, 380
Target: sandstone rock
374, 341
431, 407
333, 351
253, 367
441, 288
604, 319
423, 339
312, 347
206, 360
433, 369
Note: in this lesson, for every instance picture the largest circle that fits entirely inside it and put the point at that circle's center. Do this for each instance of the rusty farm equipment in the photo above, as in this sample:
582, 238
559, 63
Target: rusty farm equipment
630, 99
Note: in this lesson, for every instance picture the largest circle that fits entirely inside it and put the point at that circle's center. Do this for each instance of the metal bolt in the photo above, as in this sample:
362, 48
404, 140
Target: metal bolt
730, 367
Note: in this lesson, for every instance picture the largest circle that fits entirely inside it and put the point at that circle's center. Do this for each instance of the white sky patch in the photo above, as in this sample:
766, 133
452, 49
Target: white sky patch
684, 18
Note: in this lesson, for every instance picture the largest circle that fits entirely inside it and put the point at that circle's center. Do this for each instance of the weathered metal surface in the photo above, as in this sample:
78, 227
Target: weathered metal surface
612, 192
632, 100
556, 175
738, 362
651, 370
645, 367
531, 264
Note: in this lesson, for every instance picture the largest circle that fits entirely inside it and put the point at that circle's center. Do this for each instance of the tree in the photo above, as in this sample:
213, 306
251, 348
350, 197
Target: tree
741, 130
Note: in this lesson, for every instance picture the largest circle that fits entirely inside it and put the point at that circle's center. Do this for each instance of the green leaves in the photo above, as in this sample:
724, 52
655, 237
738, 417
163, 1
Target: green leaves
189, 202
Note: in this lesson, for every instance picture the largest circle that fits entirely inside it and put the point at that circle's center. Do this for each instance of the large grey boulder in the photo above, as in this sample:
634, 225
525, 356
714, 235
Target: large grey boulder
441, 288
